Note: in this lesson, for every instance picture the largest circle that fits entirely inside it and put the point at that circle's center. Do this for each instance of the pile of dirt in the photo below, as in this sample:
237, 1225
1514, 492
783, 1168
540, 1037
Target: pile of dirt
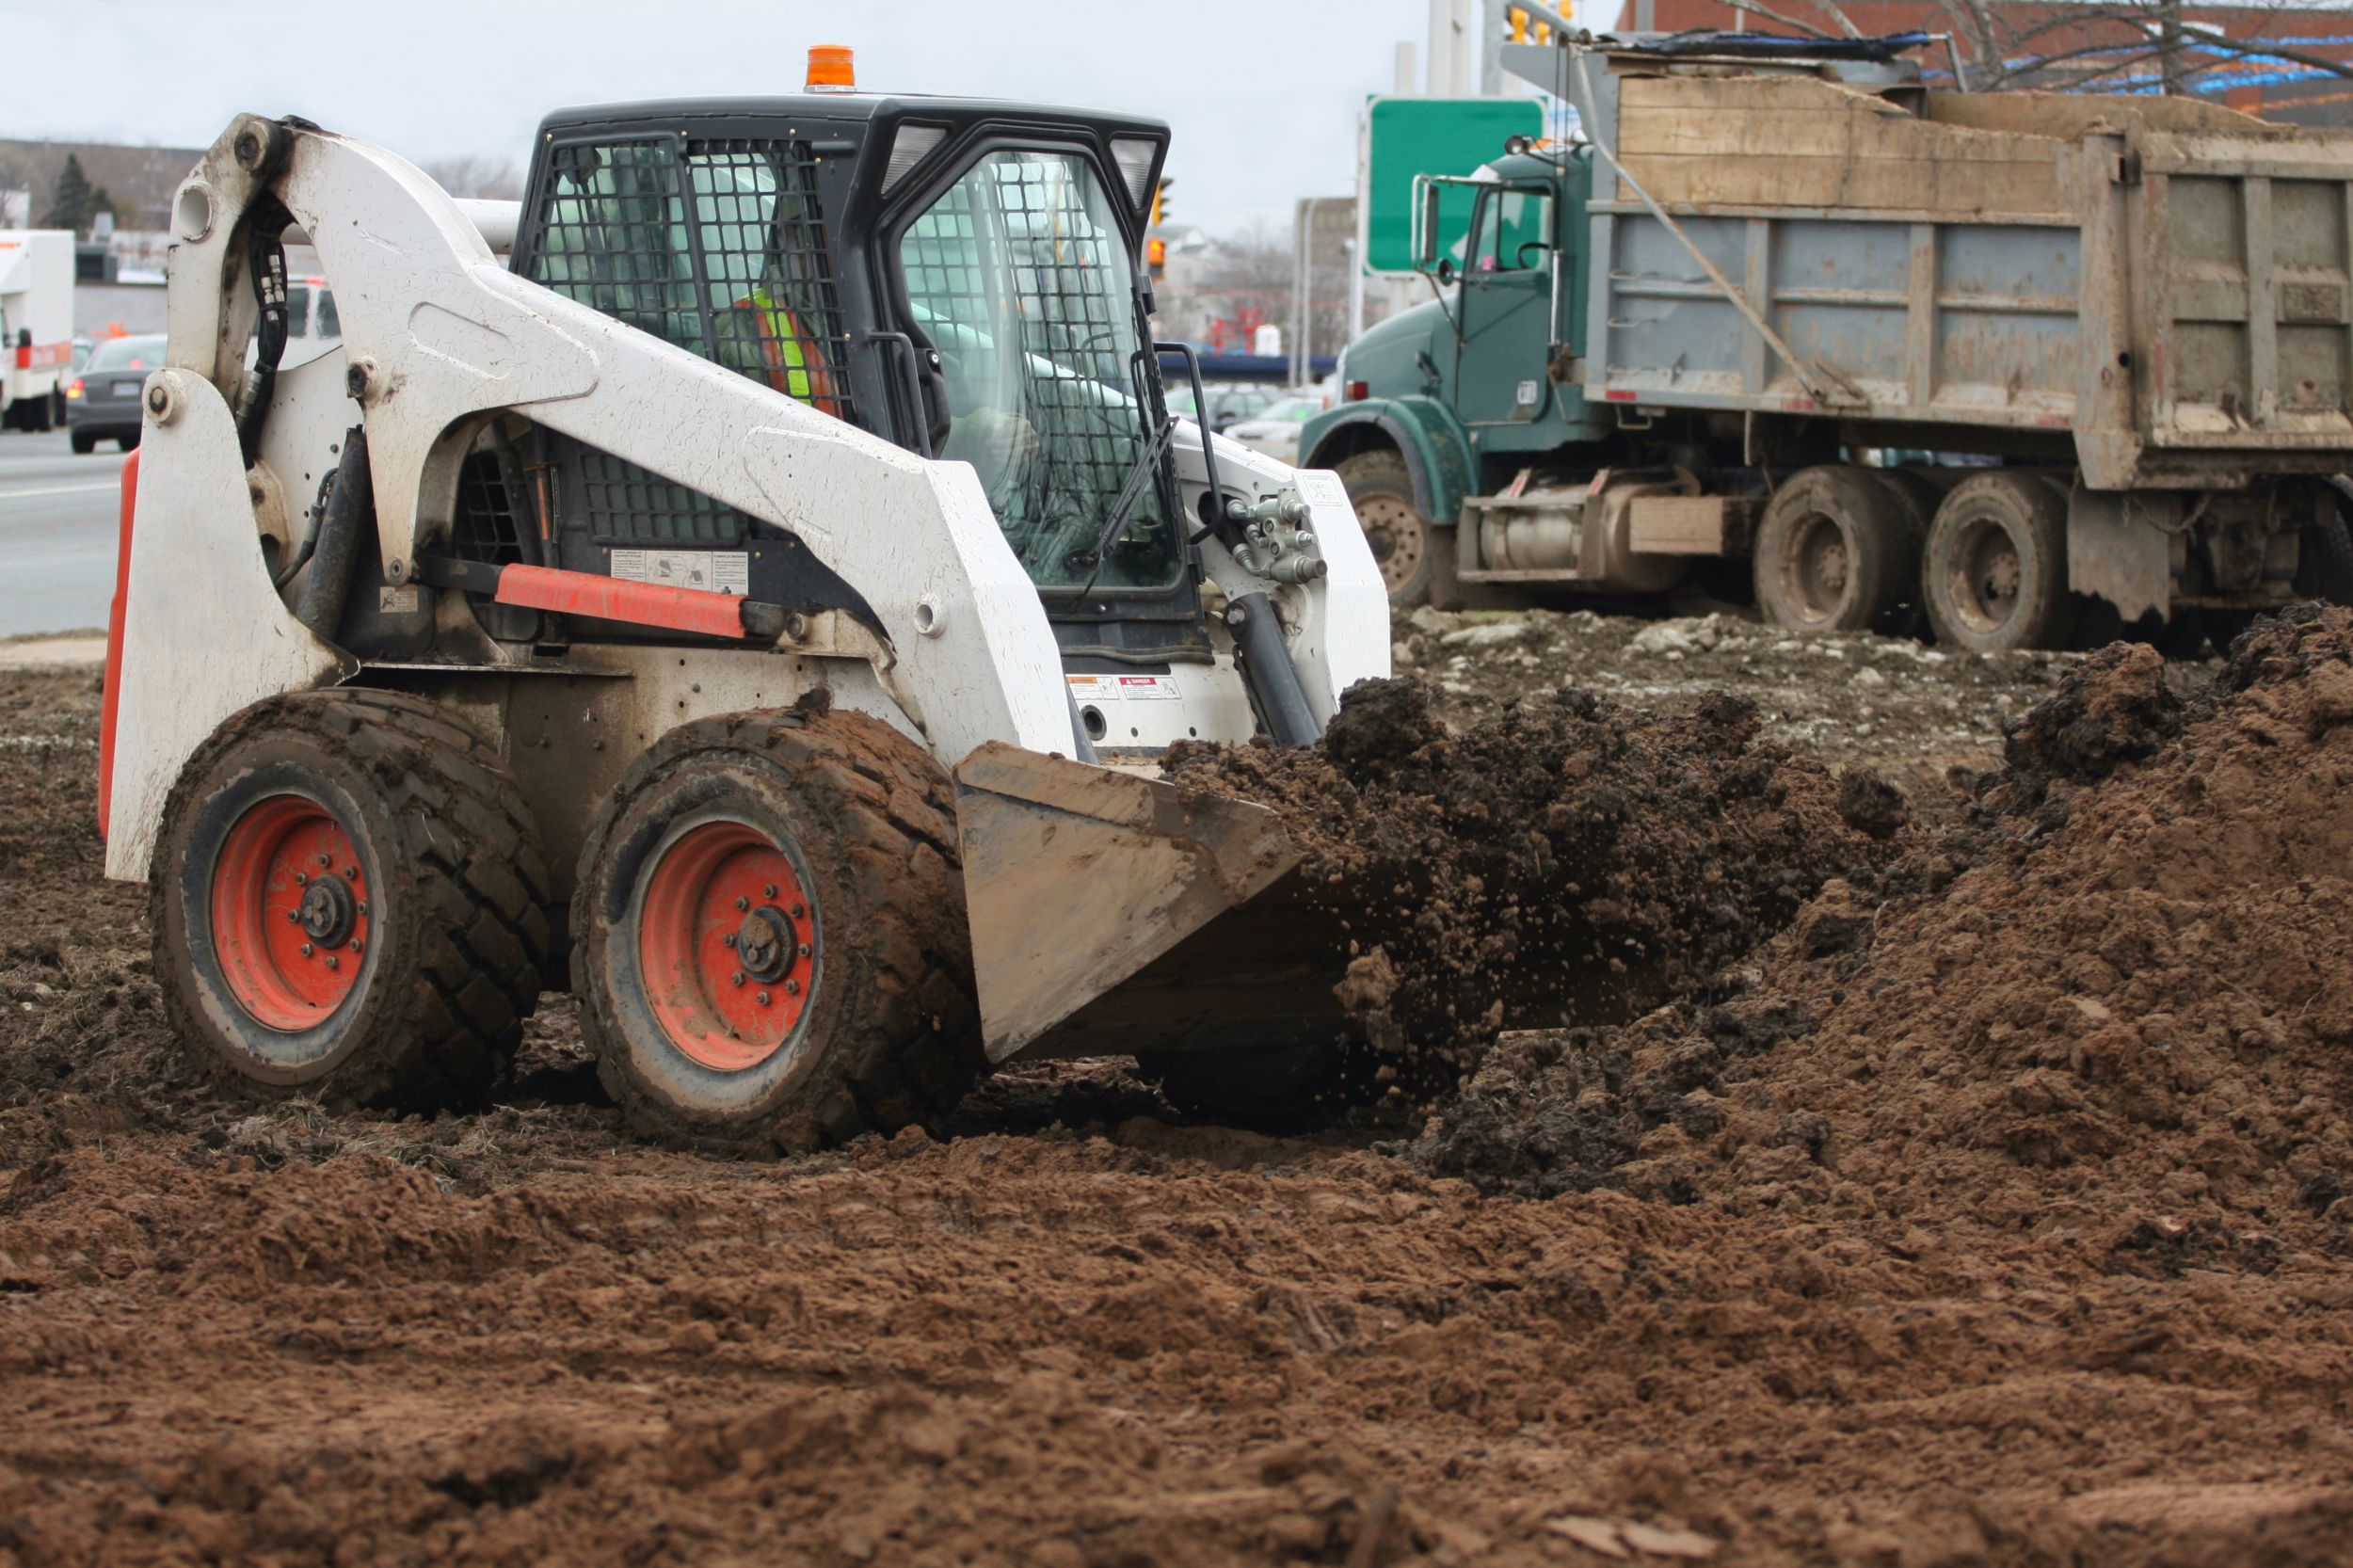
1569, 860
2117, 1006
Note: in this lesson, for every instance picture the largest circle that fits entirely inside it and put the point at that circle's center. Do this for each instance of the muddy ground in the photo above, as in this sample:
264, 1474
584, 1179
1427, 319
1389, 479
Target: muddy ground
1995, 1213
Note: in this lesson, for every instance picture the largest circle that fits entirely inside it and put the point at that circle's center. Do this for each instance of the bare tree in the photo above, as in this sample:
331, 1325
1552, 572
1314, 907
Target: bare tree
2115, 45
2084, 45
475, 174
1247, 279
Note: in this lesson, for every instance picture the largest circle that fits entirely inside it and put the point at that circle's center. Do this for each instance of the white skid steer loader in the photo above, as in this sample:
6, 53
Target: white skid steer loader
756, 609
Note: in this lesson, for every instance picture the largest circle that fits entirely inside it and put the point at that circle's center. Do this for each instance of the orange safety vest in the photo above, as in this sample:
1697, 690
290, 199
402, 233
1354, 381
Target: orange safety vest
793, 369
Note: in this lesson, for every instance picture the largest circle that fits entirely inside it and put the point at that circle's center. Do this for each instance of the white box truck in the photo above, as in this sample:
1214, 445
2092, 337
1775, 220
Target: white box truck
35, 327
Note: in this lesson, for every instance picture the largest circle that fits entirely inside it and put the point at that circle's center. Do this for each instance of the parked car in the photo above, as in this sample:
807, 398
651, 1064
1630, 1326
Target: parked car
102, 403
1274, 429
1229, 402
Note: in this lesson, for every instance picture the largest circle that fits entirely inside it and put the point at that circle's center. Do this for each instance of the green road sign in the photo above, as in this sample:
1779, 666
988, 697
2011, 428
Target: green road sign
1405, 136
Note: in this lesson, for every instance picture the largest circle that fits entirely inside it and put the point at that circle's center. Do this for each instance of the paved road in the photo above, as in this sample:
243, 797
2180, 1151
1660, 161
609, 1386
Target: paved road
58, 520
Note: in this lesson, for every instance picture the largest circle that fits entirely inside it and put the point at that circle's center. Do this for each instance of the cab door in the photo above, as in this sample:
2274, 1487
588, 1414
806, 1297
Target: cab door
1505, 305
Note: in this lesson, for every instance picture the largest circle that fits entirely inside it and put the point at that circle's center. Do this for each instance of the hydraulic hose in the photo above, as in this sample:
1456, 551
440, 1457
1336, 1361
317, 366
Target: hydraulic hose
266, 259
1266, 668
346, 526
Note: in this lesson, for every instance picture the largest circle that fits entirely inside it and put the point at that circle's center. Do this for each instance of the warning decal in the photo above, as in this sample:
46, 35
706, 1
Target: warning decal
719, 571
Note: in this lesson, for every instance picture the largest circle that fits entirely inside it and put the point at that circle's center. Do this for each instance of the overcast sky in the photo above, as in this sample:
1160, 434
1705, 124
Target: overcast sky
1263, 94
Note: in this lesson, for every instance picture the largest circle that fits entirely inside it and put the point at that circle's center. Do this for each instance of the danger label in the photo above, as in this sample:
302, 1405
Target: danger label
716, 571
1123, 688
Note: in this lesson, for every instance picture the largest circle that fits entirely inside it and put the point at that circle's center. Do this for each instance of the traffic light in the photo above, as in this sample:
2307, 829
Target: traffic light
1159, 203
1155, 257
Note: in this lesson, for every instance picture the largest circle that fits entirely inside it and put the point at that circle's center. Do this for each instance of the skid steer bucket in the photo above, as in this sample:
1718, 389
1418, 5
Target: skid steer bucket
1115, 914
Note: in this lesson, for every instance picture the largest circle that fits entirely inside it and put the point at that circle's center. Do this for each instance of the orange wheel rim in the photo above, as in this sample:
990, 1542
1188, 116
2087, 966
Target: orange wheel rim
726, 940
290, 913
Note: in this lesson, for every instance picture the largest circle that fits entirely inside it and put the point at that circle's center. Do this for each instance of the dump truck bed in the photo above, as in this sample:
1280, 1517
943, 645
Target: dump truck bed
2168, 279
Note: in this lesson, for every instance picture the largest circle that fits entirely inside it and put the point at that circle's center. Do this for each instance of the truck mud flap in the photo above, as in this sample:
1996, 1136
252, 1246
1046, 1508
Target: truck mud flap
1112, 913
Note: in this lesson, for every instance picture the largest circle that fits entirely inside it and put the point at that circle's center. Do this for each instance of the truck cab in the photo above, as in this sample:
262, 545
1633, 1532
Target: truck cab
1456, 397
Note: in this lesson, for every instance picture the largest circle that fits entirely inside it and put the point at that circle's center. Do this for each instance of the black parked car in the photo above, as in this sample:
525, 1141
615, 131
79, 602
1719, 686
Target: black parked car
102, 402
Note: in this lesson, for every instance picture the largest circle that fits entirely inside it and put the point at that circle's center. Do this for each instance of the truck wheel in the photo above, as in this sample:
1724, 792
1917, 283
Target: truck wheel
1836, 552
57, 410
1995, 578
348, 899
2324, 562
769, 936
1381, 487
2324, 570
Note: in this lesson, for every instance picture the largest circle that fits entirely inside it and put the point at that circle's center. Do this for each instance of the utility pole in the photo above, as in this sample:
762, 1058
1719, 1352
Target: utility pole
1453, 36
1303, 288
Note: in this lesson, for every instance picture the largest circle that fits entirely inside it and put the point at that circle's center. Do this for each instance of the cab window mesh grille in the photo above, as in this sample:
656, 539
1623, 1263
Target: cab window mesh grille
621, 226
776, 317
1020, 277
612, 235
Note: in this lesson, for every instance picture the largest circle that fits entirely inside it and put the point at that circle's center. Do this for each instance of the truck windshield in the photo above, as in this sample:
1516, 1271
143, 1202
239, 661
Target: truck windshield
1019, 278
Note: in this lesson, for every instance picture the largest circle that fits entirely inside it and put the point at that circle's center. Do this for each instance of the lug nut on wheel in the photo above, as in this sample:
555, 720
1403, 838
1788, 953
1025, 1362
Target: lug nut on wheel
306, 949
739, 977
764, 999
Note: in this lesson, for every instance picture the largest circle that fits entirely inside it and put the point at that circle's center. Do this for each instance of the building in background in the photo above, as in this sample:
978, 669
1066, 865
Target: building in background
2292, 64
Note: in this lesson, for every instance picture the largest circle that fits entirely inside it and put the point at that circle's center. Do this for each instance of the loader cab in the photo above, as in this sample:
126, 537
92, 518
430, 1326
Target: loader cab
957, 276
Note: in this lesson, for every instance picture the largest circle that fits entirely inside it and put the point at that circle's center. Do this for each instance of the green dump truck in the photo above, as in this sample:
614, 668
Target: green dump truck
2025, 366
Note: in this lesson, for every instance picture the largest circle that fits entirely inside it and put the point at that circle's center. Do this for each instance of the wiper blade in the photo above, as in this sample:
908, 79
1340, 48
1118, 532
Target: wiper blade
1131, 494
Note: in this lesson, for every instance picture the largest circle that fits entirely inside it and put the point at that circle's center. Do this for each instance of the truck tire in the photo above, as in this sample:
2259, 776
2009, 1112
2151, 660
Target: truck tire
769, 933
1837, 551
2324, 564
349, 900
2324, 570
1996, 573
1381, 487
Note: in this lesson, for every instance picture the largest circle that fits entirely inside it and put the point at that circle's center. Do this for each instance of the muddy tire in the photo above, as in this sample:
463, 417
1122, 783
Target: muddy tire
1994, 577
2324, 565
2324, 570
769, 939
1381, 487
1837, 551
348, 899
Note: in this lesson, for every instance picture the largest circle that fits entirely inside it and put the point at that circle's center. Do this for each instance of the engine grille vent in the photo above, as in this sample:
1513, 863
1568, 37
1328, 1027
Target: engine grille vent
486, 528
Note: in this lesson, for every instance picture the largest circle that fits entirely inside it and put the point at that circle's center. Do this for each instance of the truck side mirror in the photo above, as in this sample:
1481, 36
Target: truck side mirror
1426, 258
